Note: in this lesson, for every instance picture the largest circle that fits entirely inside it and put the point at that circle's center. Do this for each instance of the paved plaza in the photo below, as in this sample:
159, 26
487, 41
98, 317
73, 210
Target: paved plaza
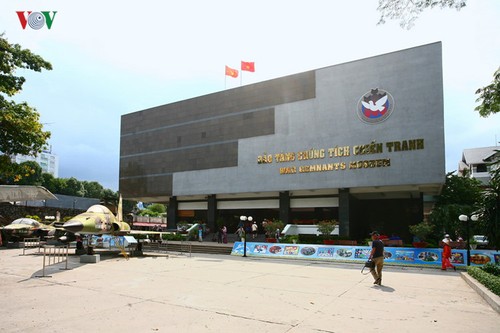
216, 293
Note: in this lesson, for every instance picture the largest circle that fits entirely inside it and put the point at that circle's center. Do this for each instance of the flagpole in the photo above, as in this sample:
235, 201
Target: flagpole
241, 77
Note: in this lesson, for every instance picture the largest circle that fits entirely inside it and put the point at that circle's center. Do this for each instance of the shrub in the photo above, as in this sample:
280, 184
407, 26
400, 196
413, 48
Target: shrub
492, 269
272, 226
290, 239
173, 237
310, 239
488, 280
421, 230
34, 217
326, 227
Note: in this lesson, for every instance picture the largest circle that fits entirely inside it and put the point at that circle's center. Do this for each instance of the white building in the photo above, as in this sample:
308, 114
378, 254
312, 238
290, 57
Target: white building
476, 163
48, 162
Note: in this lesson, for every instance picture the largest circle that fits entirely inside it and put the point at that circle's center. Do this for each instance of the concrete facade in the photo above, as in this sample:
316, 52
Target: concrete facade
300, 142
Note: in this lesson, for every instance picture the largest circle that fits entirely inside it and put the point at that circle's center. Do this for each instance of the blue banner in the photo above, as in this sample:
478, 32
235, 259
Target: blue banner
401, 255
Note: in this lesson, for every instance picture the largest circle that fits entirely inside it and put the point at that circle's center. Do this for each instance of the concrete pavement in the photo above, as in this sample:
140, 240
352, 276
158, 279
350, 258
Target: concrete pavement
214, 293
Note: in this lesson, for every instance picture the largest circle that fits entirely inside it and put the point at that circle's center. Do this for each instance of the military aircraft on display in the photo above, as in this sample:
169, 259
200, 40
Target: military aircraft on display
99, 220
26, 228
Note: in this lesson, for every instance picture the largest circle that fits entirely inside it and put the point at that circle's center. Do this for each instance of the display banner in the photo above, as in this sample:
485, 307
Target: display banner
400, 255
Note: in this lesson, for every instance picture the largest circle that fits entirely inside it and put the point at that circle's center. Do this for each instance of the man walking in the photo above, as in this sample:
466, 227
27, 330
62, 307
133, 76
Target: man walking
377, 256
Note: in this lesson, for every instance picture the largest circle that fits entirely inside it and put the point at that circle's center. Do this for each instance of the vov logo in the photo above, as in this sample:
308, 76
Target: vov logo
36, 20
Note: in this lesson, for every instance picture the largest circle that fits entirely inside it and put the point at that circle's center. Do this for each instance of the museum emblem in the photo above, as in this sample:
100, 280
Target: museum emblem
375, 106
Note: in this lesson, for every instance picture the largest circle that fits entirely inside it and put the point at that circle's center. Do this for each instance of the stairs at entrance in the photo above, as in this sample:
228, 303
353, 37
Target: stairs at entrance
189, 247
207, 246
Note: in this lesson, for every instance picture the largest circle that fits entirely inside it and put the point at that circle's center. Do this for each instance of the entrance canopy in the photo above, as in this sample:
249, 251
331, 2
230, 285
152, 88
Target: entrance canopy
10, 193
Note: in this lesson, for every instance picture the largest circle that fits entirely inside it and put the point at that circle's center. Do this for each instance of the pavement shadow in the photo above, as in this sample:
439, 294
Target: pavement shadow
386, 289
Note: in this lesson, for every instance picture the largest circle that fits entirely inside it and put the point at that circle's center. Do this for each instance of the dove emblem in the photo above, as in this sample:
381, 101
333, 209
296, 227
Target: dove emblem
375, 106
378, 106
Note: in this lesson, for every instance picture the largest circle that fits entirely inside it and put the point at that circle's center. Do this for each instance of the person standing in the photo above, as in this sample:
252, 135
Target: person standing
224, 235
254, 230
277, 235
241, 233
446, 255
377, 256
200, 233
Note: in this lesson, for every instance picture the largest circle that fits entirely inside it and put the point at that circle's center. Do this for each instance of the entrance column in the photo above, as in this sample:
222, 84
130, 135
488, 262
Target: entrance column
172, 213
344, 212
285, 207
212, 212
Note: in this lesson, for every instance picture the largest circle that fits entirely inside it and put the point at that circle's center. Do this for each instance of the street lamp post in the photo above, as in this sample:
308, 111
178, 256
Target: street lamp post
465, 218
243, 219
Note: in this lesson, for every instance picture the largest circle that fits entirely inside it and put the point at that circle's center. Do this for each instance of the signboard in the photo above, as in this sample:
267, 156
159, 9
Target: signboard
401, 255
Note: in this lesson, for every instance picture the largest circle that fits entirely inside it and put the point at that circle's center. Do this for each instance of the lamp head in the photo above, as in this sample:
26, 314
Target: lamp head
463, 218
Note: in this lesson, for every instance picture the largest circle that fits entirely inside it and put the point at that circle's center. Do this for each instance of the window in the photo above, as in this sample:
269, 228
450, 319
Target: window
481, 168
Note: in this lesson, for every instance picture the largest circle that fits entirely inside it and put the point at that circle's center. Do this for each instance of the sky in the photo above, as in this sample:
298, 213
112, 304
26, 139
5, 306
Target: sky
111, 58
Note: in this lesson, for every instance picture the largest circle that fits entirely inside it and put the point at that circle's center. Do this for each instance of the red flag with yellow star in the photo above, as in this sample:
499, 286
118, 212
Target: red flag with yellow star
231, 72
248, 66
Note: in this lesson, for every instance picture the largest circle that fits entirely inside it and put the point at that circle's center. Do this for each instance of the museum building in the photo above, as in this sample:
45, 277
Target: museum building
360, 142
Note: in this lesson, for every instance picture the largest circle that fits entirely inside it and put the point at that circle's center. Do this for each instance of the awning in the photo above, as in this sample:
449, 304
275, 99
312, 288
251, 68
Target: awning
24, 193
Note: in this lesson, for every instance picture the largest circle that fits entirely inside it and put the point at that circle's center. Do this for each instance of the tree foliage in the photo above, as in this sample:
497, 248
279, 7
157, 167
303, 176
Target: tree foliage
153, 210
22, 133
31, 173
460, 195
489, 97
75, 187
490, 207
21, 130
407, 11
25, 173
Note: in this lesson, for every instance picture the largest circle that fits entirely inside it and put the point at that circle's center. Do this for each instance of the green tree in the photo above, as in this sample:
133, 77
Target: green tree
22, 133
489, 97
490, 207
153, 210
73, 187
159, 208
460, 195
407, 11
30, 173
60, 185
49, 182
93, 189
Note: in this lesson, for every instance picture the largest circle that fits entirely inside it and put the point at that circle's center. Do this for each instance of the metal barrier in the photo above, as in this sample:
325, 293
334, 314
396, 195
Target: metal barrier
183, 248
53, 255
187, 245
32, 243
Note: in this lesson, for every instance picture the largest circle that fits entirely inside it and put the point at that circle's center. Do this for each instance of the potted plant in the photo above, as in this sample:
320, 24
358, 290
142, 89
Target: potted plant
291, 239
421, 231
326, 227
271, 227
472, 243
